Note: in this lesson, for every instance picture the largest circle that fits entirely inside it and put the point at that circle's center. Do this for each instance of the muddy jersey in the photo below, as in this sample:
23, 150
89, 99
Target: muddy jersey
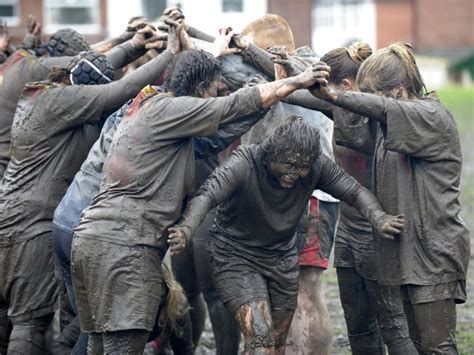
21, 68
50, 139
255, 213
354, 144
150, 166
417, 172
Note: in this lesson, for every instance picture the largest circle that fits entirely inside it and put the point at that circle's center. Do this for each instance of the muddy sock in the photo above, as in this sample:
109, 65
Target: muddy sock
28, 337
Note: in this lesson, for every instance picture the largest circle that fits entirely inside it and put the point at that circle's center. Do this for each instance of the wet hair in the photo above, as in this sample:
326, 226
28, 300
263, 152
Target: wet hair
294, 134
176, 303
192, 71
66, 42
270, 30
345, 62
389, 67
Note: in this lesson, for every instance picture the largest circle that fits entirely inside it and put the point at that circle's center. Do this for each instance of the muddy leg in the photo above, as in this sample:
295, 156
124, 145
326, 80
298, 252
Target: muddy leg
183, 268
27, 337
95, 346
281, 325
360, 313
131, 342
391, 317
255, 322
310, 330
4, 327
226, 332
433, 325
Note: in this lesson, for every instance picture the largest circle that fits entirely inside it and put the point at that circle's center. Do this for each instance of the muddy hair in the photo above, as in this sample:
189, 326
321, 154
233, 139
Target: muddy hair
270, 30
192, 71
176, 303
345, 62
294, 134
390, 67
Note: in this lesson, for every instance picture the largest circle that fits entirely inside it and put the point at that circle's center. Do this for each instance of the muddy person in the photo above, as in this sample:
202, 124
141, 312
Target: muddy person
417, 168
148, 173
261, 193
34, 65
54, 126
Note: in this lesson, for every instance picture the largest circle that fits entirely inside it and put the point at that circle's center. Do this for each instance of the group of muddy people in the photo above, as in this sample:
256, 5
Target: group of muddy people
153, 173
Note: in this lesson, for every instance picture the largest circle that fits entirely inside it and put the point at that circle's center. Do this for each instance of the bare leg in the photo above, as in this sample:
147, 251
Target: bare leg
255, 322
311, 331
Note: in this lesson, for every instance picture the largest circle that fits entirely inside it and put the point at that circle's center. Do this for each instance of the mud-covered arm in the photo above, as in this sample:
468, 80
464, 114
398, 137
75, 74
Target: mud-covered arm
218, 188
195, 33
129, 86
260, 59
108, 44
304, 99
421, 128
123, 54
226, 135
339, 184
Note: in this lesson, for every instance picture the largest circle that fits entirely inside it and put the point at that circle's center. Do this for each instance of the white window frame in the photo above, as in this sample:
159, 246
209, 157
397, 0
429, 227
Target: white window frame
12, 20
92, 28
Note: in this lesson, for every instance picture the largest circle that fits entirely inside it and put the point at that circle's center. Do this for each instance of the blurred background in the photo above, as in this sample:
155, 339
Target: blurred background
440, 31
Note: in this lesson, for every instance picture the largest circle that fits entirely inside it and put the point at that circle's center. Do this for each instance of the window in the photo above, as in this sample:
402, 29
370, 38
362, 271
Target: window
9, 11
232, 6
82, 15
153, 9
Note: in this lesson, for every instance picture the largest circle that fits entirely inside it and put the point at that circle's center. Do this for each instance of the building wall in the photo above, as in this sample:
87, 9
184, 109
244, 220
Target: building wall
395, 19
36, 8
298, 15
444, 24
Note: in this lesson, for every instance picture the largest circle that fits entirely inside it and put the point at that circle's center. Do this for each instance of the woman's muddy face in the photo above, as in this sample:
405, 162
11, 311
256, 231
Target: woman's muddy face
288, 167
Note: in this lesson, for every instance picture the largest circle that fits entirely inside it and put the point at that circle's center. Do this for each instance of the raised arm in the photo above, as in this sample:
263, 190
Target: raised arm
218, 188
226, 135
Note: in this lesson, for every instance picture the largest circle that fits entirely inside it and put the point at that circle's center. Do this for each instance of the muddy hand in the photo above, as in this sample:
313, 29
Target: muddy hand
186, 40
220, 47
4, 36
390, 226
177, 240
174, 30
240, 41
32, 26
173, 13
137, 23
312, 77
255, 80
149, 38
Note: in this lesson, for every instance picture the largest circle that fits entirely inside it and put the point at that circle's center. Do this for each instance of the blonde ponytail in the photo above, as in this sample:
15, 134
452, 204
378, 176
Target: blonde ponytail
176, 303
359, 51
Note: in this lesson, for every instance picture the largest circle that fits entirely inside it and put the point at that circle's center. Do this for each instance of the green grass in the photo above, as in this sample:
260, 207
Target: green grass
465, 340
460, 101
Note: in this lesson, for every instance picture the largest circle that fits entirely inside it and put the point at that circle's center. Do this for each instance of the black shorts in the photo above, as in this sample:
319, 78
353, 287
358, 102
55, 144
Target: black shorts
355, 250
28, 284
240, 278
117, 287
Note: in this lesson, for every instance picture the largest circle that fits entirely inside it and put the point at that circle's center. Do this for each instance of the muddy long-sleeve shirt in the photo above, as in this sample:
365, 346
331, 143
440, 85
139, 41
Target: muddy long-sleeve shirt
87, 180
417, 172
21, 68
150, 166
255, 213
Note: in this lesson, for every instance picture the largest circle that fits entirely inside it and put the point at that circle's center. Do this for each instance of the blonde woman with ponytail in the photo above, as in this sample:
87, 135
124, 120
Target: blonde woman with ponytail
417, 168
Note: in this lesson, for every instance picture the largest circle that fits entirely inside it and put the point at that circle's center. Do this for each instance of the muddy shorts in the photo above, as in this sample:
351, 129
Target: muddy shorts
117, 287
240, 278
316, 233
416, 294
28, 285
355, 250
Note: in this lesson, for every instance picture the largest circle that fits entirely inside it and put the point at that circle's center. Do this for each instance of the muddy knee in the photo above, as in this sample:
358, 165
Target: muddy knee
255, 322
